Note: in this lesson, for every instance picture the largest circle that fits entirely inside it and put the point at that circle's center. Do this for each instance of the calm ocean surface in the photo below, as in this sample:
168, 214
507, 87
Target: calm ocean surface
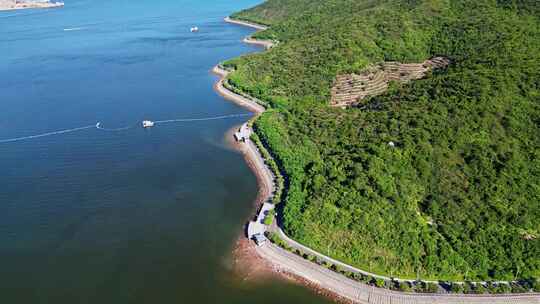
131, 216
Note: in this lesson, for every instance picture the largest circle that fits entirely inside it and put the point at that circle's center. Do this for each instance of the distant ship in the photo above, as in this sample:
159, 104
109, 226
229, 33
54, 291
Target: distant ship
194, 29
148, 123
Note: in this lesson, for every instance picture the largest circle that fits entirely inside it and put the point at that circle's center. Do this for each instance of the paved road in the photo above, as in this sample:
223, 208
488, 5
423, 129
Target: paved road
362, 293
227, 94
258, 27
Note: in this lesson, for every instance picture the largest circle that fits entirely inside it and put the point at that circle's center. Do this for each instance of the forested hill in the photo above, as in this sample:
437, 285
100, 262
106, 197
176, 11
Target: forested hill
458, 195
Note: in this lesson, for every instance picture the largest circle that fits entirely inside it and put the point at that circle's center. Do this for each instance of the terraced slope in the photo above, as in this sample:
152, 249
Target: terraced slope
350, 89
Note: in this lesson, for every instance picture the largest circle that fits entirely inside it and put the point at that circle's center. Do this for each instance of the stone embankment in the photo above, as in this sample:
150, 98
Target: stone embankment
258, 27
350, 89
267, 44
241, 100
362, 293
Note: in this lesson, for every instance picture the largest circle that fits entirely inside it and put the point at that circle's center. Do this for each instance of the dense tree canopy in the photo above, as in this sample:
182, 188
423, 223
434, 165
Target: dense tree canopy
458, 195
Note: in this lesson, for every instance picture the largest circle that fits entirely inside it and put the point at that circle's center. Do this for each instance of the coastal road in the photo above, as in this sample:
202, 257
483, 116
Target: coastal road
243, 101
362, 293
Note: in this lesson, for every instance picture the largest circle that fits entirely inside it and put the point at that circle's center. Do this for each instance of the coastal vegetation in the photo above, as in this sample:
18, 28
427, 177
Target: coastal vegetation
274, 168
468, 287
456, 194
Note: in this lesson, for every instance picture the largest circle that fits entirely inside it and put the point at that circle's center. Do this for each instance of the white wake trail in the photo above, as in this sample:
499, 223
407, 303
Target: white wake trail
201, 119
71, 29
99, 127
46, 134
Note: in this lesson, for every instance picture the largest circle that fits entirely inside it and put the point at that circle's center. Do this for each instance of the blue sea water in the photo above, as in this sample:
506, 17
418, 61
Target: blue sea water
134, 215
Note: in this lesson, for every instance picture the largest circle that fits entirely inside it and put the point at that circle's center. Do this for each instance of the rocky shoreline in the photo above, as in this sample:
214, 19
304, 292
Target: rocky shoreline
6, 5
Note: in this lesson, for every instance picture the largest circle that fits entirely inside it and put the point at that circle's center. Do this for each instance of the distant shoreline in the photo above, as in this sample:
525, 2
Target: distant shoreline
267, 44
6, 5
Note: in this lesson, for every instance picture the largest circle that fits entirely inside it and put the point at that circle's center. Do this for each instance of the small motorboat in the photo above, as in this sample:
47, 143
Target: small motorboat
148, 123
194, 29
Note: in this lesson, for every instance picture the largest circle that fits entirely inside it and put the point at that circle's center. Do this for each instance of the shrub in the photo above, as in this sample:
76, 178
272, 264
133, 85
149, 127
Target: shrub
480, 288
491, 287
503, 288
517, 288
467, 287
268, 220
379, 283
359, 277
367, 279
536, 285
404, 286
456, 288
432, 288
393, 285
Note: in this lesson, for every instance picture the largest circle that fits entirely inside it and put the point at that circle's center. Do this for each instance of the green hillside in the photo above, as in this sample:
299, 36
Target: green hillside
458, 197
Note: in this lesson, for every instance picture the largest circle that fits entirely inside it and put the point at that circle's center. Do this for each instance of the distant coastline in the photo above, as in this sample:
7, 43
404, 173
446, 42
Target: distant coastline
6, 5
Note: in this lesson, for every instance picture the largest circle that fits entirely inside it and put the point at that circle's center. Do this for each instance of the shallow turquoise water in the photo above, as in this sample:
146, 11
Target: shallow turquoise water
133, 216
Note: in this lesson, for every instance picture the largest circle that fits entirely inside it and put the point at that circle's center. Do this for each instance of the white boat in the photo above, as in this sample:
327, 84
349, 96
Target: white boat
148, 123
194, 29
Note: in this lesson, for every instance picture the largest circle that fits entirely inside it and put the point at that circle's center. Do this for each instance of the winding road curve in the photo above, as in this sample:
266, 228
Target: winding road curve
354, 291
362, 293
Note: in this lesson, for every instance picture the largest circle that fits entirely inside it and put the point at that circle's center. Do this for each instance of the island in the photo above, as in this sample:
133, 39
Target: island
402, 139
26, 4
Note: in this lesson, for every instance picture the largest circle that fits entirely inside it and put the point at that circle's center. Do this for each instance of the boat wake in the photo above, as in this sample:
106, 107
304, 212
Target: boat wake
201, 119
74, 29
45, 134
99, 127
